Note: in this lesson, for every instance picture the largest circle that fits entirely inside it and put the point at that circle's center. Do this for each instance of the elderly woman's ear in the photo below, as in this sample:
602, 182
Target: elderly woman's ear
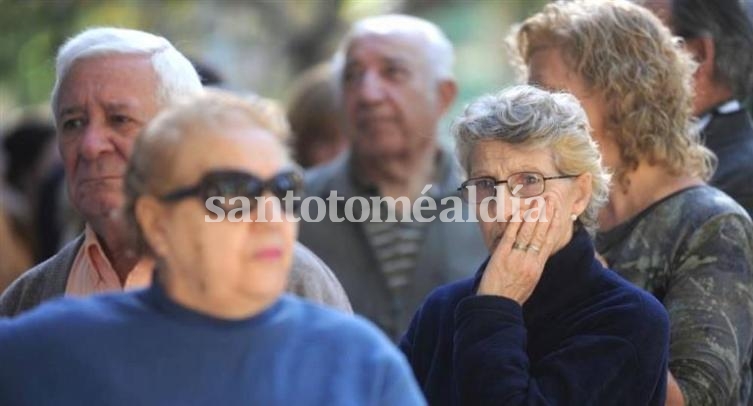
582, 188
150, 217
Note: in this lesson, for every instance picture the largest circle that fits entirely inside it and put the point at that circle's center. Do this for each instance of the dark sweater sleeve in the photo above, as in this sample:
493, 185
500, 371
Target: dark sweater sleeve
492, 366
406, 342
409, 342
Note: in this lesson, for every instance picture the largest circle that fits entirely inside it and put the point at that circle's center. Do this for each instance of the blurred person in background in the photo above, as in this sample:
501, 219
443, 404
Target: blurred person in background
16, 255
315, 118
36, 207
109, 83
208, 74
395, 82
719, 35
29, 147
215, 327
663, 228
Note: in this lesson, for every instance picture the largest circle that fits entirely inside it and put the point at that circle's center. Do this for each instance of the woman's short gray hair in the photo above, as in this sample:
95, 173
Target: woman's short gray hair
534, 118
177, 76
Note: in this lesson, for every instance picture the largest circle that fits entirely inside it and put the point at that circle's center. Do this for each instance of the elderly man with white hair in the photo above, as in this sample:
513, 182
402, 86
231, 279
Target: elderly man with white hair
110, 83
394, 76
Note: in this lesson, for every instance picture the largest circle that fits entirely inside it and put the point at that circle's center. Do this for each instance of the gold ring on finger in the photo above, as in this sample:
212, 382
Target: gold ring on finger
533, 248
518, 246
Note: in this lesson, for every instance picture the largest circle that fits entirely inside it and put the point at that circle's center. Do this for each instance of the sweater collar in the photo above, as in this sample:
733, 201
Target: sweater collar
156, 296
566, 277
728, 107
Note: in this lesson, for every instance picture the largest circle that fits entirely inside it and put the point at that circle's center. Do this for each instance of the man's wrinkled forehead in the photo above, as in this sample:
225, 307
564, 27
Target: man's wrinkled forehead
405, 47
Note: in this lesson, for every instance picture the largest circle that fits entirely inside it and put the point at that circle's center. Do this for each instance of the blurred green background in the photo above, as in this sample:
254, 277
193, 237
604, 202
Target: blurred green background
258, 46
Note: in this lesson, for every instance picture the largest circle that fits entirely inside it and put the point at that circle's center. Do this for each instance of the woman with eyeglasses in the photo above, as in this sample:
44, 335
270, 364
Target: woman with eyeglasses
215, 327
542, 321
664, 228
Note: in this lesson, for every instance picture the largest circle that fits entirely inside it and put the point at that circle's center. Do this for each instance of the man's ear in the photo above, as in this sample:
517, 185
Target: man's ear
447, 91
703, 51
149, 216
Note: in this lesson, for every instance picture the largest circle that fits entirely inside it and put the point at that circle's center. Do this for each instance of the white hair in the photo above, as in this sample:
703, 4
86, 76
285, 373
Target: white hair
176, 75
534, 118
438, 50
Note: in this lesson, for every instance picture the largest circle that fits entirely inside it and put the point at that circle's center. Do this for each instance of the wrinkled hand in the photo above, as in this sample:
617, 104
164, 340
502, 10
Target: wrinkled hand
516, 265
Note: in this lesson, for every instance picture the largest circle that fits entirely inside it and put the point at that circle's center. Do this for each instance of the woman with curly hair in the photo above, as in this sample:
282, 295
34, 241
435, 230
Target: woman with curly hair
663, 228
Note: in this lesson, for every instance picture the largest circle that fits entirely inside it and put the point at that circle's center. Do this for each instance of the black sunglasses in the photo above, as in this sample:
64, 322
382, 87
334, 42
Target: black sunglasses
228, 184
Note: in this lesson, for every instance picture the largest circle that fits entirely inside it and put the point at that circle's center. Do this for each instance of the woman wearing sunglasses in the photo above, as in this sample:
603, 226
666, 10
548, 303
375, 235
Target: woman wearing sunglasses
542, 321
215, 327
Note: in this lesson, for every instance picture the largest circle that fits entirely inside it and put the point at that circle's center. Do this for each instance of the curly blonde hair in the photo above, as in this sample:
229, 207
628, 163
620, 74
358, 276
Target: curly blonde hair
624, 52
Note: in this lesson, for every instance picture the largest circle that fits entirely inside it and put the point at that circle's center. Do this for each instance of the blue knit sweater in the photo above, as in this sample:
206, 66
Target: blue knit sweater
584, 337
142, 348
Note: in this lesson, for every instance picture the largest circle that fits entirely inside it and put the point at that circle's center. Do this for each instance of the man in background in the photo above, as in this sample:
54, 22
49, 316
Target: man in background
109, 84
394, 75
720, 37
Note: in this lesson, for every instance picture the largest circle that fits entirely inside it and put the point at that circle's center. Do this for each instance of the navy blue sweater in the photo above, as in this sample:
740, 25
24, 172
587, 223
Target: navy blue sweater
141, 348
584, 337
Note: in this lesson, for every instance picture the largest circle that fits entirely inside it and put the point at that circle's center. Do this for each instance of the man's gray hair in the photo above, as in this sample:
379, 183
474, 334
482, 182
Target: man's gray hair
438, 51
726, 22
177, 76
533, 118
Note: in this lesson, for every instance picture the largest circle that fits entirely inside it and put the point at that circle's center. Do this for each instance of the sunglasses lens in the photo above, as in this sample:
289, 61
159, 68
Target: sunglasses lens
231, 186
288, 185
235, 186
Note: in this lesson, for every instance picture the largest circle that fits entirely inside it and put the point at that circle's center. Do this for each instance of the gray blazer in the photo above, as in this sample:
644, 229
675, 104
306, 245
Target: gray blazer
450, 250
310, 278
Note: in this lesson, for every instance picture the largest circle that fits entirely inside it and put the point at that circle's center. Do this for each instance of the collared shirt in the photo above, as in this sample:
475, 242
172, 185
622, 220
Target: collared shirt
447, 250
729, 107
92, 272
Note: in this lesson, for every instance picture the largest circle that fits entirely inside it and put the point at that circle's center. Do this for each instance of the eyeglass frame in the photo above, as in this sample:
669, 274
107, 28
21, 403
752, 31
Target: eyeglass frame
497, 182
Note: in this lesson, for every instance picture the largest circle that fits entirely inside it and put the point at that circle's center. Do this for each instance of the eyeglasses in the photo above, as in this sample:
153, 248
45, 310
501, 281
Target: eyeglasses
230, 184
521, 185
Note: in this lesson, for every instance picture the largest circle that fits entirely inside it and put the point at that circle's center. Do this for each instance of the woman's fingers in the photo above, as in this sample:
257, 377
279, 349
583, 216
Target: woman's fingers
508, 242
555, 230
527, 230
541, 232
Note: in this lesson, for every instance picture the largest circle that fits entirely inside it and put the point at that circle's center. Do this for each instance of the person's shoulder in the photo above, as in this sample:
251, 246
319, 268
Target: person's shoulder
450, 294
702, 203
438, 308
64, 319
689, 213
318, 178
630, 307
311, 278
334, 330
41, 282
320, 320
708, 215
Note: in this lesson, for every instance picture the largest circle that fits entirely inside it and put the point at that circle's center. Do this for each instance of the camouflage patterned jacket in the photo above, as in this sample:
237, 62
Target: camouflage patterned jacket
694, 251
